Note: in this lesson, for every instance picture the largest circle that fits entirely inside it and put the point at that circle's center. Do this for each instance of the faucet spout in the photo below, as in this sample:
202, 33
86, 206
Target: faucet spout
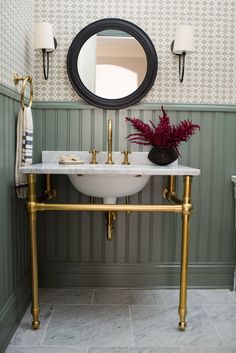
109, 140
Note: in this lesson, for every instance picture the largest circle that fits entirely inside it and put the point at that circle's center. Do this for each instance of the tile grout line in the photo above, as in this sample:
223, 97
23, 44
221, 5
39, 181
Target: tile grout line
131, 326
217, 331
163, 297
46, 326
93, 296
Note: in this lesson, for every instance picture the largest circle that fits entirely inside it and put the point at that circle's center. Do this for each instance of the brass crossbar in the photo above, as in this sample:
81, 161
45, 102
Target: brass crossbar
34, 206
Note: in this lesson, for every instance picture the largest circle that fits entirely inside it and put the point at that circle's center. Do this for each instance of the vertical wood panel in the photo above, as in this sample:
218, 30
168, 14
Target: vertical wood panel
144, 238
74, 130
14, 259
207, 132
2, 221
227, 248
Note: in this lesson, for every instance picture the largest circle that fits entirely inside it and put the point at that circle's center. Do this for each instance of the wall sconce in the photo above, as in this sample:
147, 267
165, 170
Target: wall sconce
44, 40
182, 44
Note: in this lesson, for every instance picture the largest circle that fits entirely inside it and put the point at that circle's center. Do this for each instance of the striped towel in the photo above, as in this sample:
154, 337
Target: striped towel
24, 150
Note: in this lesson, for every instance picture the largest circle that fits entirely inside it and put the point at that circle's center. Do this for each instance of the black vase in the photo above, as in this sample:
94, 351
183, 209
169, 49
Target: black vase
162, 155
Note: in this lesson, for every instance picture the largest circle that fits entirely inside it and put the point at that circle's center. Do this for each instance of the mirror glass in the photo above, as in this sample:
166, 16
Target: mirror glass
112, 64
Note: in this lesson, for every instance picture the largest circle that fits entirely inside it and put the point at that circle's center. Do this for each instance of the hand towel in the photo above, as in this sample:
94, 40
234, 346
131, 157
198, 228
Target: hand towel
24, 149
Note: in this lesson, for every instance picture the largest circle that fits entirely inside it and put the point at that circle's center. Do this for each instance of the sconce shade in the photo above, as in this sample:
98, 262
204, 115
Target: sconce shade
184, 41
43, 36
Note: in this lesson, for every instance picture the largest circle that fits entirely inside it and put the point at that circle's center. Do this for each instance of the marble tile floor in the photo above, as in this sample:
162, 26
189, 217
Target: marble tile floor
106, 320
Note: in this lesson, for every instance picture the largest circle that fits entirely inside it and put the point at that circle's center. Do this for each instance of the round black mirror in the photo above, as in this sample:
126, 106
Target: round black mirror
112, 63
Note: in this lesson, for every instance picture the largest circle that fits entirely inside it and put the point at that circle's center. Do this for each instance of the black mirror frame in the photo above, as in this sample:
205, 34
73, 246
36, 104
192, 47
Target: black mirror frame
137, 33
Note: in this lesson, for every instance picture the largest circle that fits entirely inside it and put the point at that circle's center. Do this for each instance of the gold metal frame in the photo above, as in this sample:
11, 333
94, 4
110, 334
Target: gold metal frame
26, 79
183, 206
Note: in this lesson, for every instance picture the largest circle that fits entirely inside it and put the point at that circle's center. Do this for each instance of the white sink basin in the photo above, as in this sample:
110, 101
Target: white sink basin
115, 182
109, 187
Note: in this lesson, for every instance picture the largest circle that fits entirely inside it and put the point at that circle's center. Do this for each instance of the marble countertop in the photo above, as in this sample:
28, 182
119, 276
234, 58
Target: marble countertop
140, 165
142, 169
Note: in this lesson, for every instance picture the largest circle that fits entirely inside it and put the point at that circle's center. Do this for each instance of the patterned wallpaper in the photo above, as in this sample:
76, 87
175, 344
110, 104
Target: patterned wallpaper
209, 76
16, 21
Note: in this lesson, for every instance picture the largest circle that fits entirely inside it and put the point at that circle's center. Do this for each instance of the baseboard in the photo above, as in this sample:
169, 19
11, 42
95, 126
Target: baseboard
202, 275
12, 312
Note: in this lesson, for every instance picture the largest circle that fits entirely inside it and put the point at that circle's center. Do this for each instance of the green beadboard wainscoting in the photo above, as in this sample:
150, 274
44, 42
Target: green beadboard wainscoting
14, 254
145, 250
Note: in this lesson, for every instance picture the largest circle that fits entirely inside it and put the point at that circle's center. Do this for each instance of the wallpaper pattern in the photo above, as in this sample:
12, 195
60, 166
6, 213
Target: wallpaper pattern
210, 71
16, 21
210, 75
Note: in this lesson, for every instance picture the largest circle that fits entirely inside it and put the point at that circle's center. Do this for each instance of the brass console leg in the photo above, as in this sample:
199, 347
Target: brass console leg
186, 212
33, 247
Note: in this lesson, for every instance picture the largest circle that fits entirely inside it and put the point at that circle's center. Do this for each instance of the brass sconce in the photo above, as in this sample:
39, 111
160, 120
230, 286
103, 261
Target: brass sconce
44, 40
182, 44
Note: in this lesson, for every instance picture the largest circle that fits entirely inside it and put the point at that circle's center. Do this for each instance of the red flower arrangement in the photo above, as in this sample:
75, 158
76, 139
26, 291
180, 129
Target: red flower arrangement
163, 134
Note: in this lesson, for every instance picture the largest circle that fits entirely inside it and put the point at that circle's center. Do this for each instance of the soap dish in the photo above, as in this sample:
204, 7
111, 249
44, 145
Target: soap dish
71, 162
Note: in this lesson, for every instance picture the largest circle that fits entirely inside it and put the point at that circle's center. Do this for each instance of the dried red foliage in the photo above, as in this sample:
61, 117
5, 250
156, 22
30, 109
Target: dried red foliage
163, 134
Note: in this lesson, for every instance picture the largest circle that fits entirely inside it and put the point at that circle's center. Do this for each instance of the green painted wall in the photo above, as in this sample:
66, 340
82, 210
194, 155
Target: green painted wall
146, 248
14, 255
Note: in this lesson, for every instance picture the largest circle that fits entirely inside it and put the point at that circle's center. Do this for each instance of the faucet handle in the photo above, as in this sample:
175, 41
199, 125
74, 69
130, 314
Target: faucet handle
126, 155
94, 155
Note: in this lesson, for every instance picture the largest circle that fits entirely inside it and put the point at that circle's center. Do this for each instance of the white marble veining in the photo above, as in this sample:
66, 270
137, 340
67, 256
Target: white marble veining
24, 335
224, 318
65, 295
128, 296
89, 325
225, 349
135, 350
106, 326
156, 326
140, 165
203, 296
40, 349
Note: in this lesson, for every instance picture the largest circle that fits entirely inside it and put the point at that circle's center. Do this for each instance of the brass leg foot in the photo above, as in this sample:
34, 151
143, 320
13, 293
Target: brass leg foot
35, 322
182, 326
182, 316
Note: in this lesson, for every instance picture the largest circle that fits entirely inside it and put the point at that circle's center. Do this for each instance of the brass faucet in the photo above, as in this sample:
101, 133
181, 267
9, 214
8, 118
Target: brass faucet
126, 157
109, 139
94, 156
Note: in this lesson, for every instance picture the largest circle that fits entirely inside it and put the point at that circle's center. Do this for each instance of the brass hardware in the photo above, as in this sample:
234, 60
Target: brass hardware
169, 193
94, 156
126, 156
18, 78
49, 193
106, 207
127, 201
184, 207
111, 217
184, 251
33, 247
109, 135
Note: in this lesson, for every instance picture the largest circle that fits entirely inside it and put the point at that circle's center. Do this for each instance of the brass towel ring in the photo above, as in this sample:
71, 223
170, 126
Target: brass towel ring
18, 78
